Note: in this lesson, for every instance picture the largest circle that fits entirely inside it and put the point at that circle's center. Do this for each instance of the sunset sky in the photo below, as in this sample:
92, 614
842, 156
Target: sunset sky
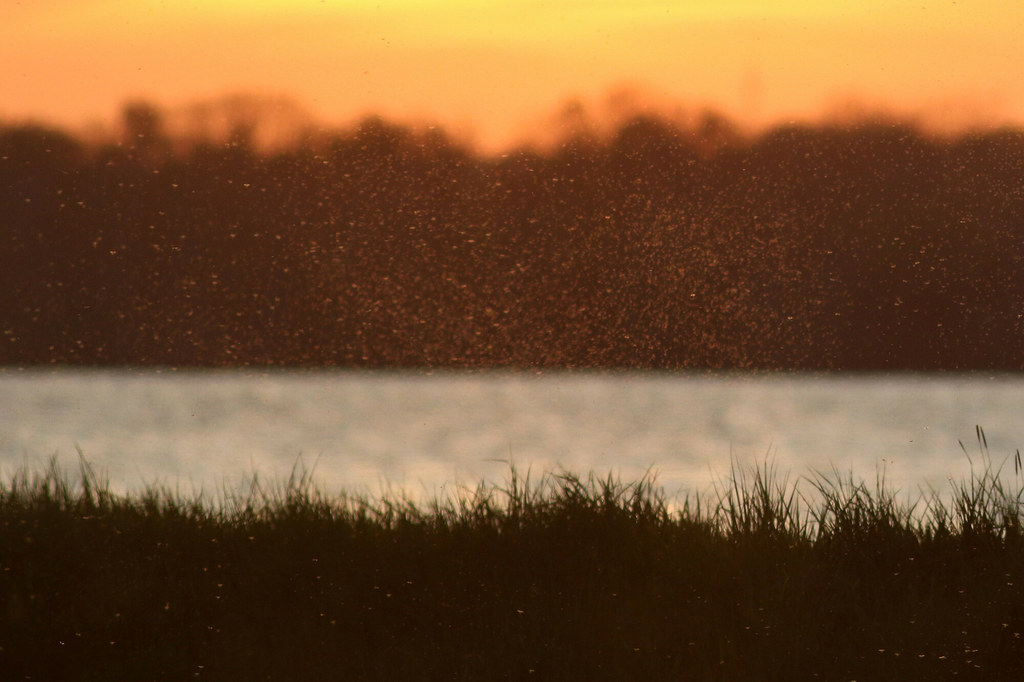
495, 70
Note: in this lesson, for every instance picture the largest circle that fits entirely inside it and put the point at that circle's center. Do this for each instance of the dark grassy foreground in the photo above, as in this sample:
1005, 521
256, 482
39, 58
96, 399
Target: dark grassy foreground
562, 578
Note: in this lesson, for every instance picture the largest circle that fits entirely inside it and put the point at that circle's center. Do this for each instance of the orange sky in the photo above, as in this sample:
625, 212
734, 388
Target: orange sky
498, 67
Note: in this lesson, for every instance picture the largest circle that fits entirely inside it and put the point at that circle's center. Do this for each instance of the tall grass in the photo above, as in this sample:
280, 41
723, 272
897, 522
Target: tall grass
557, 576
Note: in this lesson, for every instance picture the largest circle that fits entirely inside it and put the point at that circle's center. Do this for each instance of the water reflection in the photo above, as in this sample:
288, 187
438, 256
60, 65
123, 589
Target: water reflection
417, 430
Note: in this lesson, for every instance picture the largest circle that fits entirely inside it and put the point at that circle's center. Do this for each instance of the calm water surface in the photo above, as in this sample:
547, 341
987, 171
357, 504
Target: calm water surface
362, 430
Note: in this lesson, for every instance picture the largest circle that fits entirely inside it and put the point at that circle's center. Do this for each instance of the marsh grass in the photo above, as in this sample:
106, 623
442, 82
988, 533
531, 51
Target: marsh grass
557, 577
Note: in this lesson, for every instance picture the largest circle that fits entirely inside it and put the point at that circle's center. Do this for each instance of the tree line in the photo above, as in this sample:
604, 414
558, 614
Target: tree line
863, 246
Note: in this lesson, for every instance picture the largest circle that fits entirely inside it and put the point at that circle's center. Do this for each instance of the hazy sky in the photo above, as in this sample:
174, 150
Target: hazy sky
499, 67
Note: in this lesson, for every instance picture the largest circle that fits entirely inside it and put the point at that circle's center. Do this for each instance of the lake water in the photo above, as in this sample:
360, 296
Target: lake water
363, 430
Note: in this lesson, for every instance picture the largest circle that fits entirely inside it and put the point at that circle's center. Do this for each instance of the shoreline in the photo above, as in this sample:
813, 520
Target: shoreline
548, 577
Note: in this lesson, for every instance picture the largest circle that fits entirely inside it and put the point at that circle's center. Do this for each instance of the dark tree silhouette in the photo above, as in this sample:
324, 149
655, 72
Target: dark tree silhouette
861, 246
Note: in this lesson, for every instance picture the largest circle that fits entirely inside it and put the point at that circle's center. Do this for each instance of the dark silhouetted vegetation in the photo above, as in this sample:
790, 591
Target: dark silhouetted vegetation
562, 578
860, 246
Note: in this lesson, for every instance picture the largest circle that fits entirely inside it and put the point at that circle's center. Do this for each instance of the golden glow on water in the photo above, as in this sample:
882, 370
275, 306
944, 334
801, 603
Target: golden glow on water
492, 65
